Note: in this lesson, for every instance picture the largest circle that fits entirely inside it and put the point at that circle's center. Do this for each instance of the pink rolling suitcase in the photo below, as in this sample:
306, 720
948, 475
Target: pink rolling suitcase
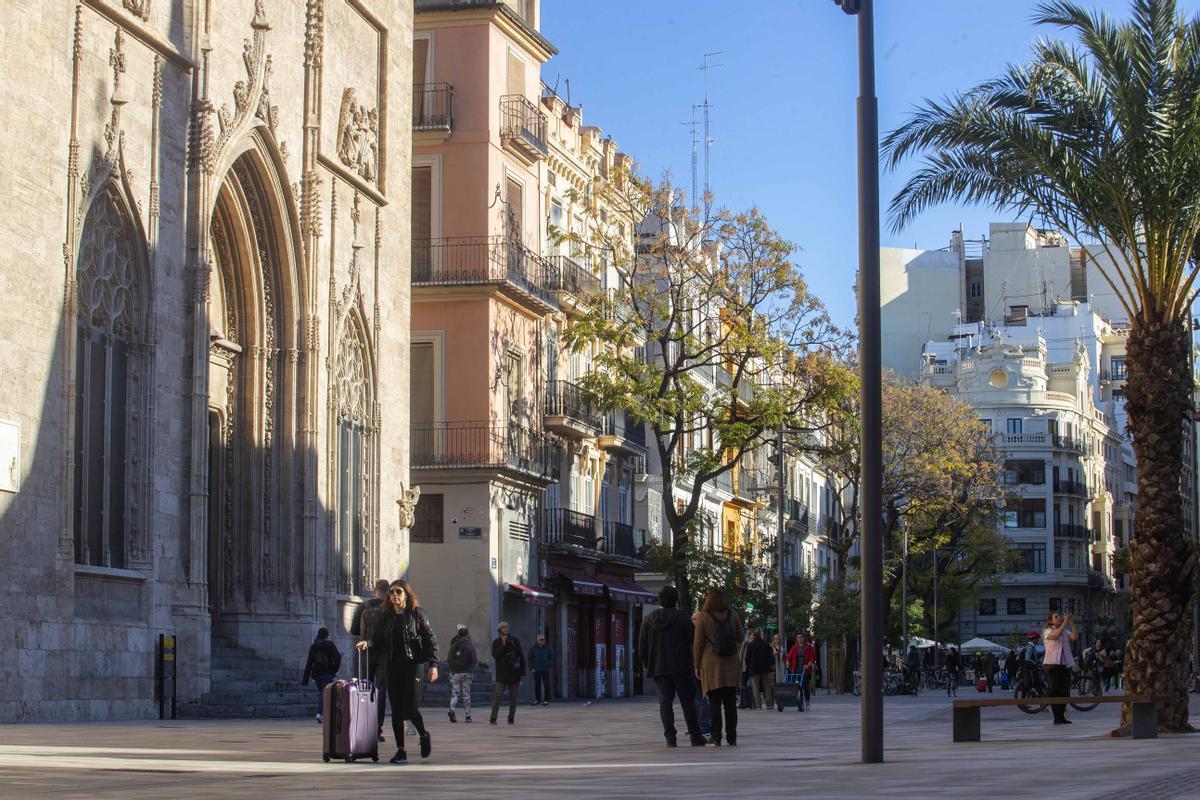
351, 727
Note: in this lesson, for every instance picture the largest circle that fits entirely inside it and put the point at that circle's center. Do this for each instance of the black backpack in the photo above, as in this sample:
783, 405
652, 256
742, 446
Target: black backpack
458, 658
725, 645
371, 614
322, 662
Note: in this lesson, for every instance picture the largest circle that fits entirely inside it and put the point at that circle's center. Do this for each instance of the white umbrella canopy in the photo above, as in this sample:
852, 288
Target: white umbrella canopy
978, 645
921, 642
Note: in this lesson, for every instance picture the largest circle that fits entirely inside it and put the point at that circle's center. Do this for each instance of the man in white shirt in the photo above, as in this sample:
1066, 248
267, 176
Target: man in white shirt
1059, 661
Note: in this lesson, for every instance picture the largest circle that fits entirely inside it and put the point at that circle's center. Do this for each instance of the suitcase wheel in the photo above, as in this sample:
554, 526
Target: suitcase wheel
375, 758
325, 757
349, 759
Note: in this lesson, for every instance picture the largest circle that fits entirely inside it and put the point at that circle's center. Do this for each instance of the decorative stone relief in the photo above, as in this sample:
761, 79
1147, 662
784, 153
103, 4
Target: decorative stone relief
139, 8
408, 506
358, 136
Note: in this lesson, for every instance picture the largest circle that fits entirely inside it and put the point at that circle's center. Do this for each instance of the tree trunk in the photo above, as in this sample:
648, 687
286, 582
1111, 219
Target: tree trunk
1161, 558
679, 543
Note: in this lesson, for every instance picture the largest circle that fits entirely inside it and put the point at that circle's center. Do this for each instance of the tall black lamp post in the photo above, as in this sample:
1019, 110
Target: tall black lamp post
871, 541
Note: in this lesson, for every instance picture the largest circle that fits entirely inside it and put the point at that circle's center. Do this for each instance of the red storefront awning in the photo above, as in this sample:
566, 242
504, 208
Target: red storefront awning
629, 591
532, 596
583, 584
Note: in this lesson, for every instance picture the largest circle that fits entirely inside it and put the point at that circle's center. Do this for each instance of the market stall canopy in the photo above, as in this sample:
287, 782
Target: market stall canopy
921, 642
978, 645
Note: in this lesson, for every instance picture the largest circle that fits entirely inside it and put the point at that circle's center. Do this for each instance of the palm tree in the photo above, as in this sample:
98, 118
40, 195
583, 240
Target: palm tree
1101, 138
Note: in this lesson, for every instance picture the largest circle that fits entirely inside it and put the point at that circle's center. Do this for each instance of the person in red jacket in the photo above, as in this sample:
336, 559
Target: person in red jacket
802, 659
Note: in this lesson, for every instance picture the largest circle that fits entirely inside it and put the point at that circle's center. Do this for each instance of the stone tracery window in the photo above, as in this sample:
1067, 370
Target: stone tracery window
108, 343
354, 461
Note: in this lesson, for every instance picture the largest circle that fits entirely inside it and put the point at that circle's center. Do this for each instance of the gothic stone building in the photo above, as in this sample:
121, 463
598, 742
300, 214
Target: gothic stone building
204, 292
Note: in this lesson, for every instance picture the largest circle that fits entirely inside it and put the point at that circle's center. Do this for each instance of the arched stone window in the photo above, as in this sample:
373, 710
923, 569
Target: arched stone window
109, 346
355, 460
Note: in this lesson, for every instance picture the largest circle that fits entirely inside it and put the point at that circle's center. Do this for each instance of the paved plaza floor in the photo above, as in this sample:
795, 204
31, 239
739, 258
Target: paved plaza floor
609, 750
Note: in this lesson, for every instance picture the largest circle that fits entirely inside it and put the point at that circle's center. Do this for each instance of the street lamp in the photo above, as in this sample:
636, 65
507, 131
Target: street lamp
871, 543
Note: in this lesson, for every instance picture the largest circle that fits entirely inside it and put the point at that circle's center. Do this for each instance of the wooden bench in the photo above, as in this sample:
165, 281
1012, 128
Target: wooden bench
1144, 723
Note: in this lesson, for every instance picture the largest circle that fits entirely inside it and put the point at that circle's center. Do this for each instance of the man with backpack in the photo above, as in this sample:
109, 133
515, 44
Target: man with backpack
322, 666
461, 659
363, 626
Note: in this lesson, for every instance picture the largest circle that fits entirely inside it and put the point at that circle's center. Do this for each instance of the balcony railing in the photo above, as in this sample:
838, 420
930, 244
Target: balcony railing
1076, 488
433, 107
567, 527
568, 275
619, 541
1023, 438
620, 425
725, 481
565, 399
1071, 444
751, 482
482, 445
476, 260
522, 126
1070, 530
797, 513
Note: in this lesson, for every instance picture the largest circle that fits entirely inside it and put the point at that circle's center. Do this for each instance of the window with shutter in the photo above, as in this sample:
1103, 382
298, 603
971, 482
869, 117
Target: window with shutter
428, 524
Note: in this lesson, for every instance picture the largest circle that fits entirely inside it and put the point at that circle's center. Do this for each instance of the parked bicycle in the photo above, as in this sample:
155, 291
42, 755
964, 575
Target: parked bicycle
1031, 685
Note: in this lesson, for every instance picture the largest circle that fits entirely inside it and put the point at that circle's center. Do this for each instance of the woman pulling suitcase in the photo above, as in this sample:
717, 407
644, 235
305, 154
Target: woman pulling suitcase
403, 641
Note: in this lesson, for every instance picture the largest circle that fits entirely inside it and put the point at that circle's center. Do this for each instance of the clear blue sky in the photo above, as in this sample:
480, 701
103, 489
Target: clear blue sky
783, 116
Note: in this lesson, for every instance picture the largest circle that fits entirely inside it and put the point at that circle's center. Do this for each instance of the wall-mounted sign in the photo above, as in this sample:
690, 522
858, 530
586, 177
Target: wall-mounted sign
470, 533
10, 456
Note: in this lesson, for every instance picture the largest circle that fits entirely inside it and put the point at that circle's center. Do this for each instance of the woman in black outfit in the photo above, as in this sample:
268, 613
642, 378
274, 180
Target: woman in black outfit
403, 640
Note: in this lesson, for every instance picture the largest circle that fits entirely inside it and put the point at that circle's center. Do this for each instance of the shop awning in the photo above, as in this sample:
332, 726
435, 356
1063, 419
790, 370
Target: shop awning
532, 596
583, 584
629, 592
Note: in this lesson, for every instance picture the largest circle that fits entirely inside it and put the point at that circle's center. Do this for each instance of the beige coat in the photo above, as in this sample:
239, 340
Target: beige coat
716, 672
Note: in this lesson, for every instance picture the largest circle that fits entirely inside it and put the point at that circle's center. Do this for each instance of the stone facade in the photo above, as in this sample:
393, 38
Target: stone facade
205, 313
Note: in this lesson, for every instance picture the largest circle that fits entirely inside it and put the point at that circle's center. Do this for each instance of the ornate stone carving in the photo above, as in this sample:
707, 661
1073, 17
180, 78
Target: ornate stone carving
139, 8
106, 295
314, 32
358, 137
351, 380
408, 506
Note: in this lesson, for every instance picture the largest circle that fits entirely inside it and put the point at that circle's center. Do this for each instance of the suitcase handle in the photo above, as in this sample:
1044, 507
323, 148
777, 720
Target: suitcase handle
360, 663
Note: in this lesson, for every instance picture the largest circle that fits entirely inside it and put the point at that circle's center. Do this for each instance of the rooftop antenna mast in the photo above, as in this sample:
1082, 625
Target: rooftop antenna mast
705, 67
695, 198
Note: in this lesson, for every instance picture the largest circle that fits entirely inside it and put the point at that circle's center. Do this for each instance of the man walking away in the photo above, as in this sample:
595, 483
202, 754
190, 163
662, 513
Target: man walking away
541, 658
1059, 661
952, 667
759, 663
324, 660
461, 659
665, 649
509, 661
912, 668
366, 617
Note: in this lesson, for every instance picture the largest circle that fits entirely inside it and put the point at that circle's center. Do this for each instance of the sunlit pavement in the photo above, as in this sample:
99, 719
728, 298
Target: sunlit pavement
612, 749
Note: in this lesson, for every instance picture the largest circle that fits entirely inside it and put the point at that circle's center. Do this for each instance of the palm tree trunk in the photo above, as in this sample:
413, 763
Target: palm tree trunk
1161, 557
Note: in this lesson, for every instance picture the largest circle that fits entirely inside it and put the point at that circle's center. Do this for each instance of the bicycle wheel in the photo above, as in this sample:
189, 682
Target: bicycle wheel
1086, 686
1031, 693
856, 686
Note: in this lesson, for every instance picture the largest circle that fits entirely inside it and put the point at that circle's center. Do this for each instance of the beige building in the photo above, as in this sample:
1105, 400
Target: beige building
528, 496
205, 419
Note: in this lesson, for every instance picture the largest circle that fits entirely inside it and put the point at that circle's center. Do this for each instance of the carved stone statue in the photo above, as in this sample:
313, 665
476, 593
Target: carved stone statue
358, 136
408, 505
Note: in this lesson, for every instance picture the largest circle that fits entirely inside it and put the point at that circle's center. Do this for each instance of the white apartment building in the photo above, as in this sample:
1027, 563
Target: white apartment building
1068, 468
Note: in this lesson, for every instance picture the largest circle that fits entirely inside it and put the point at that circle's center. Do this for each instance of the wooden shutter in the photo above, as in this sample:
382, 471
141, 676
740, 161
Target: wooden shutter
420, 61
422, 203
516, 74
422, 374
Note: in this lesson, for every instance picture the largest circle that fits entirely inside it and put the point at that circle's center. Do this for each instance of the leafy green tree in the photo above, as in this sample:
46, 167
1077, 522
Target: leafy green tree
712, 338
942, 489
1101, 139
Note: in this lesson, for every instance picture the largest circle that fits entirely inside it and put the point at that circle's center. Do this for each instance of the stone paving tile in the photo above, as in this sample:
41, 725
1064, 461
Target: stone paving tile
610, 750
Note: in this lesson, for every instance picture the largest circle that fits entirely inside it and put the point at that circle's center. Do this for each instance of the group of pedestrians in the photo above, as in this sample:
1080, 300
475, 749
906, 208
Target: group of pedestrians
677, 651
401, 650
